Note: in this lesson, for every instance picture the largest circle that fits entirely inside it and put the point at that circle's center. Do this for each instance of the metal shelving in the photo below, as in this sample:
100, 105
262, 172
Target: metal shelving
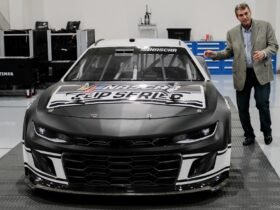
218, 66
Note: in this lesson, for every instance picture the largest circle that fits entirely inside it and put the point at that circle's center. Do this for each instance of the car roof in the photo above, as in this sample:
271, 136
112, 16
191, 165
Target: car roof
139, 42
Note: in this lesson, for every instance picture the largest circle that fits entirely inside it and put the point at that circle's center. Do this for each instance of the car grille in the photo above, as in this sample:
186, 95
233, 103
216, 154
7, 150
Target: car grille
122, 143
126, 171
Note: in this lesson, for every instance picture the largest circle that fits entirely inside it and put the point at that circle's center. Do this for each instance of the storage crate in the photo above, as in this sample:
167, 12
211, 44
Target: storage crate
179, 33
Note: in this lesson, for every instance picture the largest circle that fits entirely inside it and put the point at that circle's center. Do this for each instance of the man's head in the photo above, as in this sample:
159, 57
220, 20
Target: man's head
243, 14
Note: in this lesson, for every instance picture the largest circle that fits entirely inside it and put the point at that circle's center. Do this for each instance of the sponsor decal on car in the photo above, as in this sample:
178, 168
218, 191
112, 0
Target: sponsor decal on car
156, 49
166, 94
87, 88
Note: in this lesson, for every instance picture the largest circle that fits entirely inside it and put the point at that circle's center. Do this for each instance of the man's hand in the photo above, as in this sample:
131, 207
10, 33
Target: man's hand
258, 55
209, 54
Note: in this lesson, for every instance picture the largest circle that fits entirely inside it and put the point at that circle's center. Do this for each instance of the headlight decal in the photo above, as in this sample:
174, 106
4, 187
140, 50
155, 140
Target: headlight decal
48, 135
197, 135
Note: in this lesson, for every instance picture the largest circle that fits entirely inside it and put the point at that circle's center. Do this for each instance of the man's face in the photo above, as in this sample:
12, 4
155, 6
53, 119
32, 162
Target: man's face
244, 16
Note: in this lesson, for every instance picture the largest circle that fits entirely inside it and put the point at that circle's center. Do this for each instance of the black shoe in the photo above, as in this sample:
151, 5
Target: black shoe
248, 141
268, 140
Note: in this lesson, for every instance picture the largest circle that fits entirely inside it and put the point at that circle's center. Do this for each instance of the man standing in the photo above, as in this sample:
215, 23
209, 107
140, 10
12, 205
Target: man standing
251, 45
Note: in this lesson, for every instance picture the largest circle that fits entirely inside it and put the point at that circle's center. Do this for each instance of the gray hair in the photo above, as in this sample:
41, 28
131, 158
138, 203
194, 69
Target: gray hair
241, 6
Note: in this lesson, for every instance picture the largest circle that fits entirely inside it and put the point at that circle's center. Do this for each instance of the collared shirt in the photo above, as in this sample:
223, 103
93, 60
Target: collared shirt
247, 35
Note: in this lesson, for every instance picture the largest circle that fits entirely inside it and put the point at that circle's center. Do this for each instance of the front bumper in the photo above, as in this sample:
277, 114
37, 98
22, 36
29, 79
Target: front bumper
173, 172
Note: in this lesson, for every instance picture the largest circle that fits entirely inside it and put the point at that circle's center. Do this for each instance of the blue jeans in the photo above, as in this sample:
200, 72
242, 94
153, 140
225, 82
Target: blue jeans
261, 96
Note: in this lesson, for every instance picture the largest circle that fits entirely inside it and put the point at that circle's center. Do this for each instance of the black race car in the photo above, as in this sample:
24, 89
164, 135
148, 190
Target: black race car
130, 117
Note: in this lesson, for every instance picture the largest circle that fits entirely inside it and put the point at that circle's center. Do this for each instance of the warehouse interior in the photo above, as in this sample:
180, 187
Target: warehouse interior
41, 39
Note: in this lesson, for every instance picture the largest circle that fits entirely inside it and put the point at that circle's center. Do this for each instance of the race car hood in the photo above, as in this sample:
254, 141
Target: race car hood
126, 100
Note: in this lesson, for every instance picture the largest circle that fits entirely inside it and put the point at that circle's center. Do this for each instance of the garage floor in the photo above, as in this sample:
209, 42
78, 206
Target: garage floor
253, 182
225, 85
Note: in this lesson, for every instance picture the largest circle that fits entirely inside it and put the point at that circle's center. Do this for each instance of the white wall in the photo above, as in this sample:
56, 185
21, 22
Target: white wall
4, 9
24, 13
37, 12
16, 14
4, 15
119, 18
266, 11
27, 14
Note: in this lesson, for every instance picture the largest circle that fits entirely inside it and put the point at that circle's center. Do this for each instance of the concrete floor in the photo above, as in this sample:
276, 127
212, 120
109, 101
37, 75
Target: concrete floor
225, 85
12, 111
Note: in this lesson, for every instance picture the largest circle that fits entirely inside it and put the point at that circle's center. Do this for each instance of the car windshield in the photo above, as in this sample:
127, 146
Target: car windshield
135, 64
